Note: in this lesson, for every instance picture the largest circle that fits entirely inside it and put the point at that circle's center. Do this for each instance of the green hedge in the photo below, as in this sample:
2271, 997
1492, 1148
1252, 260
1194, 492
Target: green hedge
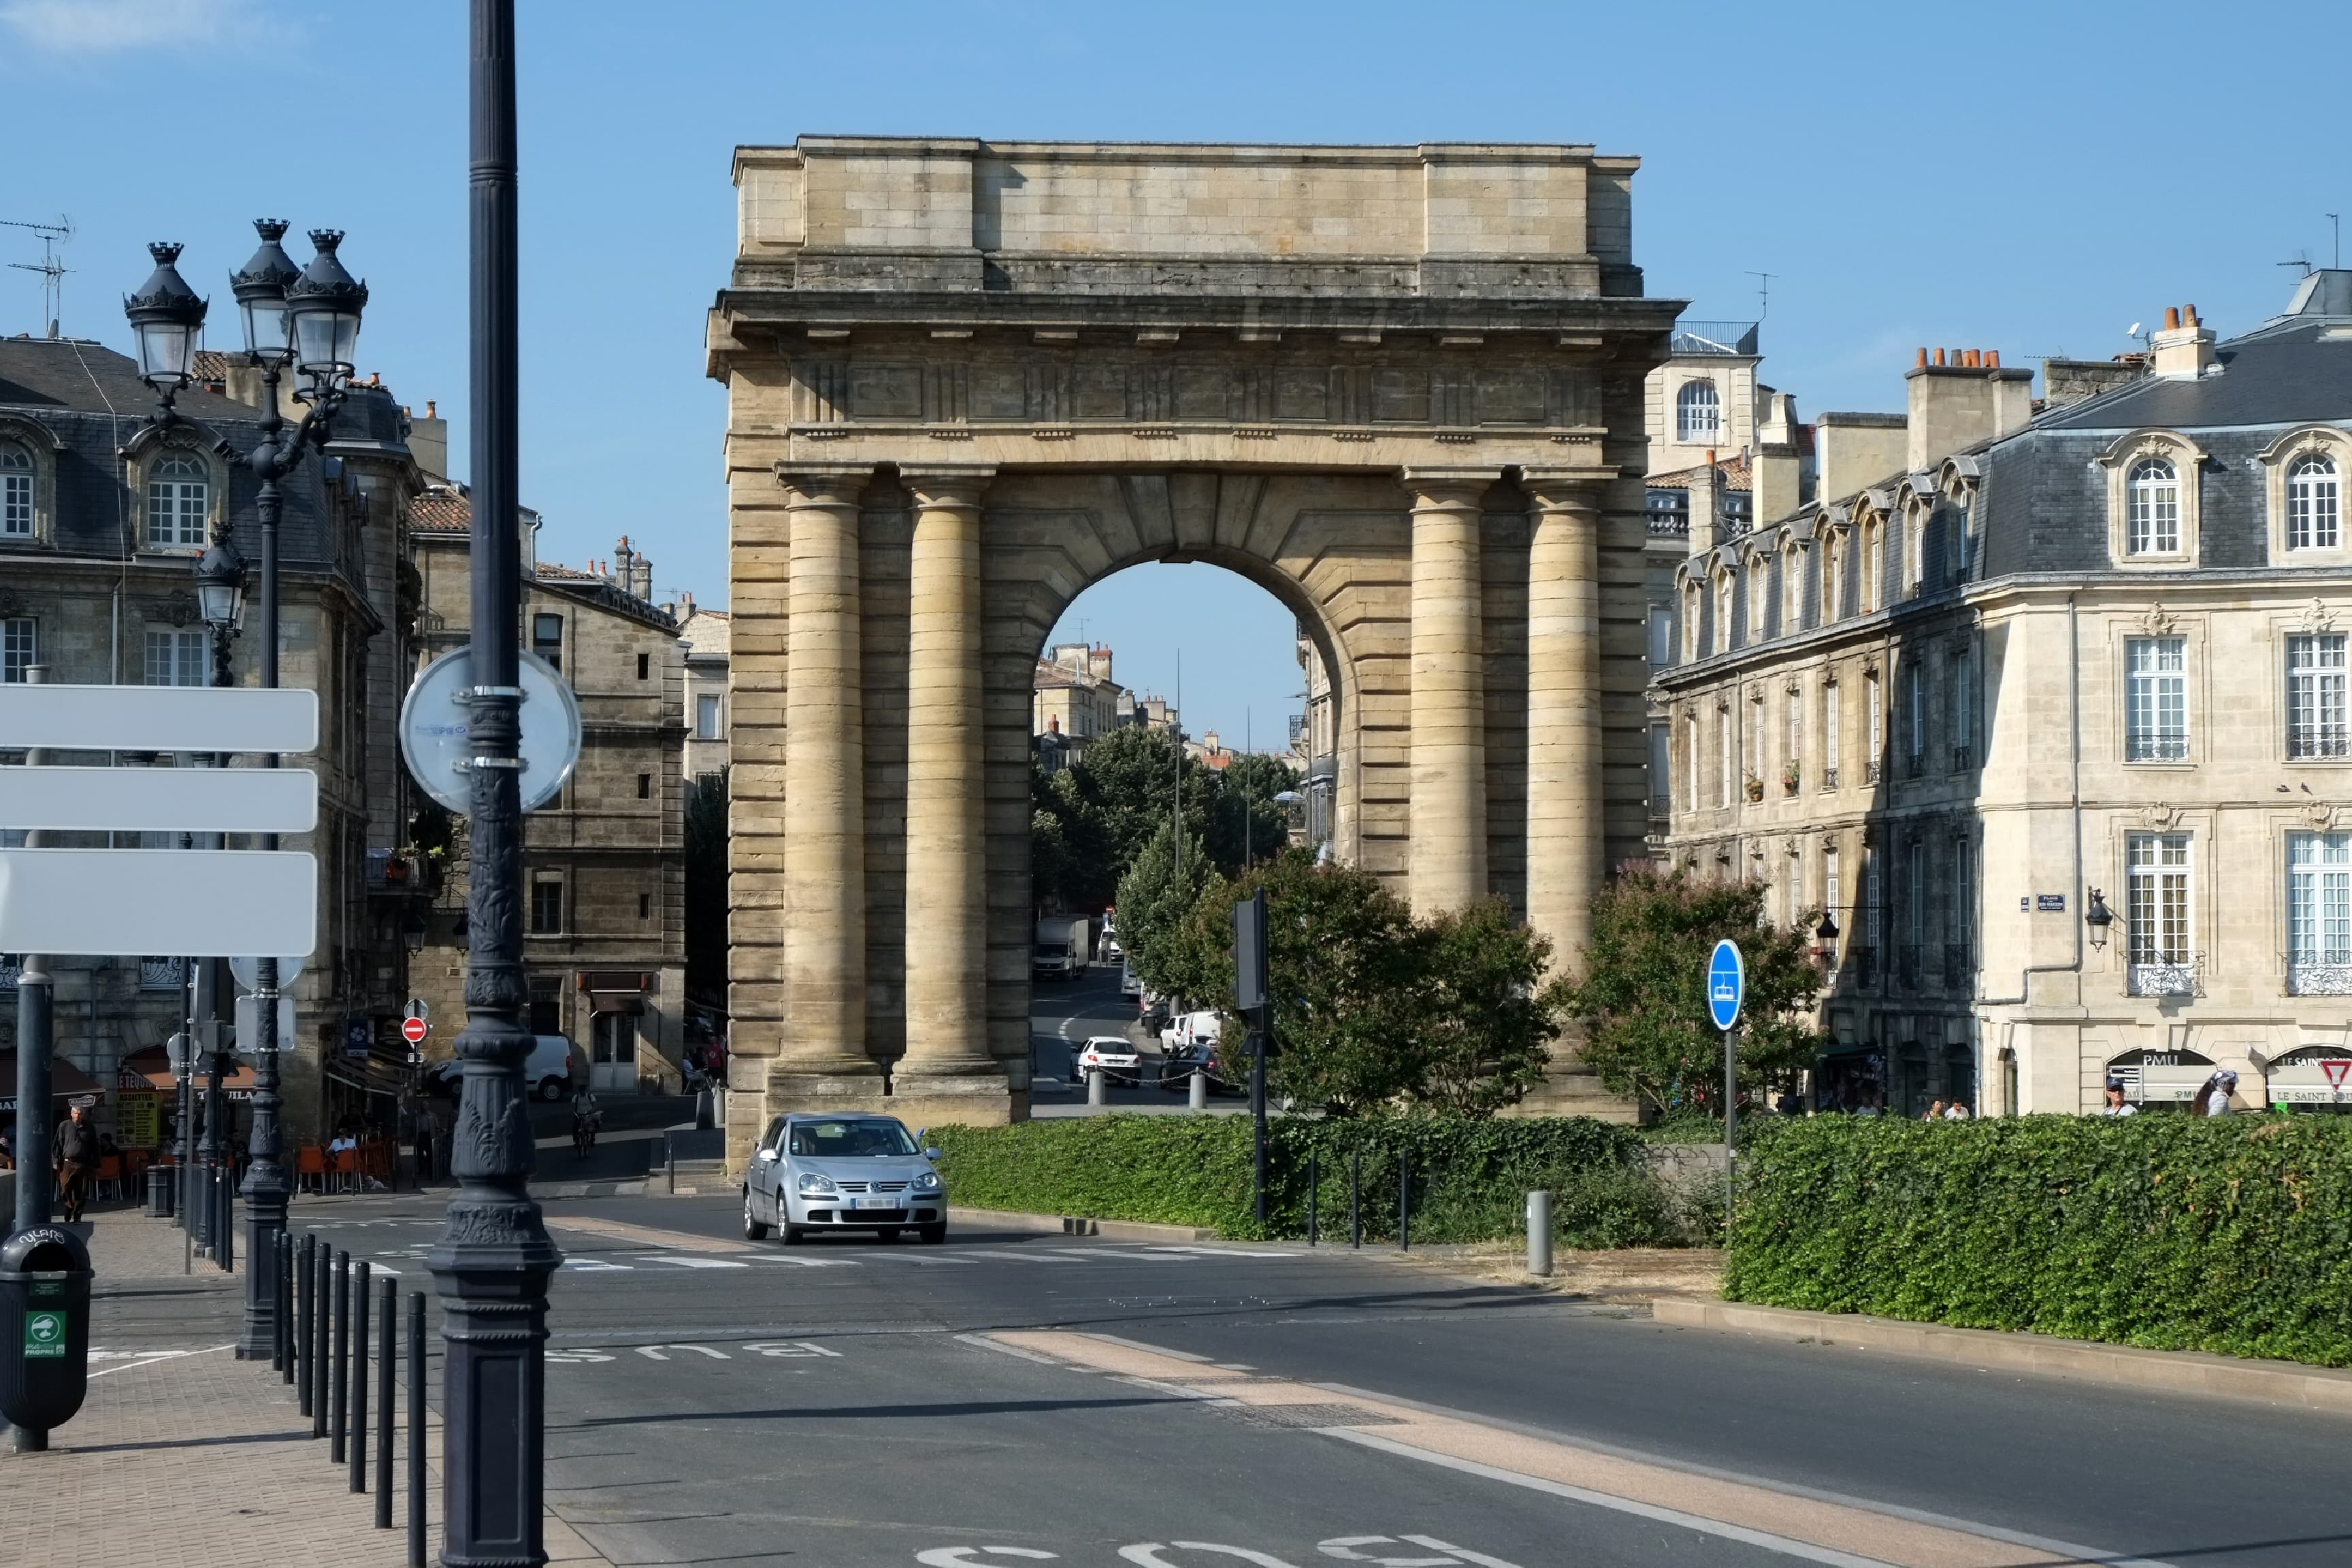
1469, 1178
2231, 1235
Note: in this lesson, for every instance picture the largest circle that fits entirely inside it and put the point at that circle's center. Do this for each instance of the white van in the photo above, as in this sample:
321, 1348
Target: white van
546, 1072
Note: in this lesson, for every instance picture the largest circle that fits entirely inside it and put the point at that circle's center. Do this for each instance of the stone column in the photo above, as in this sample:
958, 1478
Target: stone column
948, 1073
824, 1061
1448, 812
1566, 841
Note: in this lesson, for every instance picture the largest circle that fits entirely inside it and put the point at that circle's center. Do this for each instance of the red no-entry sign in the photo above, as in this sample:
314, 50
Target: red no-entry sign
413, 1030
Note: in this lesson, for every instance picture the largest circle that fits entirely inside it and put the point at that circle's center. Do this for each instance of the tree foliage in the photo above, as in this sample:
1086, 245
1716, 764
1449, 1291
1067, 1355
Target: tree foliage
1090, 821
1154, 900
1374, 1010
1643, 1000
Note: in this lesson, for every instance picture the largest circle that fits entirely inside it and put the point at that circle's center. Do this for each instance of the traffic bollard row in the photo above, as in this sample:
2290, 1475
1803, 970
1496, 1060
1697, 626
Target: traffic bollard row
386, 1354
305, 1282
357, 1373
328, 1302
339, 1387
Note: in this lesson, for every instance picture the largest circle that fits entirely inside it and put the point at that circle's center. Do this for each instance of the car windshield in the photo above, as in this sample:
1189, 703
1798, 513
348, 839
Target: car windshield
848, 1139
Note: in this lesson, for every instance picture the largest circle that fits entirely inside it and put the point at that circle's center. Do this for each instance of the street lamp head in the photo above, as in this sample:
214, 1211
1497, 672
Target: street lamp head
2097, 919
1288, 797
166, 315
1828, 930
260, 290
322, 313
220, 587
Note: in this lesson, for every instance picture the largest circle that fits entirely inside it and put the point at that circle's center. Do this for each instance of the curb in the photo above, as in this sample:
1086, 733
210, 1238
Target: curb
2170, 1372
1080, 1225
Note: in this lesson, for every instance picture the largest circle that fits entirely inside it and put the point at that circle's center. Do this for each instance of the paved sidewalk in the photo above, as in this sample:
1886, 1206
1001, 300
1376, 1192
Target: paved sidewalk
191, 1457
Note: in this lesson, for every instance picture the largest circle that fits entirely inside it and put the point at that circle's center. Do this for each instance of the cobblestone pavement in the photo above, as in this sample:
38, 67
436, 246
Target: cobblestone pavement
186, 1456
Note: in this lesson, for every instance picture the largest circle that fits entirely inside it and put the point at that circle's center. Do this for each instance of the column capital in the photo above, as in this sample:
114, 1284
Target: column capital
947, 484
1567, 488
1449, 487
824, 483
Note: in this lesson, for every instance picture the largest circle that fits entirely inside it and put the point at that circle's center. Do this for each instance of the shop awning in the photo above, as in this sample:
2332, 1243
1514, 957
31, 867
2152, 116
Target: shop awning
617, 990
371, 1076
2299, 1079
65, 1080
151, 1069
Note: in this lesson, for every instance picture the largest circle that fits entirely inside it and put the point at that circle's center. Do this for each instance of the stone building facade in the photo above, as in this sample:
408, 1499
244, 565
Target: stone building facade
603, 863
103, 515
1075, 702
2083, 662
1399, 387
702, 637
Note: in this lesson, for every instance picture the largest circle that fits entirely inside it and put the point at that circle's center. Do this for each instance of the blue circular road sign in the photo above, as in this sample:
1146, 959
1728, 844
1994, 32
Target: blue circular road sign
1726, 984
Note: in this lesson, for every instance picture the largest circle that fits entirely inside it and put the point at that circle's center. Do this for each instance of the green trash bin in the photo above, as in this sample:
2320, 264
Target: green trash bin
44, 1332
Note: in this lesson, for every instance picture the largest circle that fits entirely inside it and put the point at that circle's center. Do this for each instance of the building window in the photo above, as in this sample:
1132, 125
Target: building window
1915, 703
1959, 670
644, 786
16, 493
1759, 599
179, 495
706, 718
2319, 914
547, 639
1755, 745
2155, 723
1724, 603
2159, 910
1960, 921
1792, 767
2315, 714
547, 906
175, 658
2152, 509
1874, 564
1833, 735
546, 1005
1876, 719
645, 665
1724, 770
2314, 505
1832, 890
1662, 753
645, 906
1698, 413
1872, 908
17, 643
1833, 579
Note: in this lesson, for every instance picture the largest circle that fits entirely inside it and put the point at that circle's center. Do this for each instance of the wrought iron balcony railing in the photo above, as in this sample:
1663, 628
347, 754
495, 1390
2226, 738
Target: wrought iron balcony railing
2314, 978
2182, 977
162, 973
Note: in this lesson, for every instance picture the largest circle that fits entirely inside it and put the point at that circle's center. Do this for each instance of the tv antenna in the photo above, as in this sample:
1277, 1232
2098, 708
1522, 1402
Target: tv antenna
2301, 258
1763, 293
2336, 223
52, 272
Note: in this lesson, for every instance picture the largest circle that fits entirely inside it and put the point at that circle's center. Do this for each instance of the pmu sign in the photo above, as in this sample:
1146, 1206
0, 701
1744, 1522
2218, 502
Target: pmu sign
205, 903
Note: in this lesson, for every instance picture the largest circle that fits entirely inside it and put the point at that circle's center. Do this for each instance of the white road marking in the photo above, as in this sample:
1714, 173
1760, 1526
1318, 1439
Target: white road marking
962, 1556
810, 1262
1148, 1554
1344, 1547
688, 1260
149, 1358
791, 1348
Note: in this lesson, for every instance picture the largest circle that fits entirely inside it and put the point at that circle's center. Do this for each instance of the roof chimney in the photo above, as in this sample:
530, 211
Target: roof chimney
1958, 404
1706, 507
2185, 348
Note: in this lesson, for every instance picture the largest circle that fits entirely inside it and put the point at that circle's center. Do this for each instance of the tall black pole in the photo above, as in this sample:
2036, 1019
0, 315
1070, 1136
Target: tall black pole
265, 1192
35, 995
491, 1264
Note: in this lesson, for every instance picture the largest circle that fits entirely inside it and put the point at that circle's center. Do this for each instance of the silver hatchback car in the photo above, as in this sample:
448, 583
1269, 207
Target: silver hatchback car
814, 1173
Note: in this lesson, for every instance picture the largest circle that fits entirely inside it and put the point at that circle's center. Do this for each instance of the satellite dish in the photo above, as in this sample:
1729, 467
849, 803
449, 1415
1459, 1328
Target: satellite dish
2133, 331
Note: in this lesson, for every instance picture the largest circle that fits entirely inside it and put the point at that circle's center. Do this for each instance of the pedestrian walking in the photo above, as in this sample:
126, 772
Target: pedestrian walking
2116, 1104
1935, 1112
74, 1152
2212, 1098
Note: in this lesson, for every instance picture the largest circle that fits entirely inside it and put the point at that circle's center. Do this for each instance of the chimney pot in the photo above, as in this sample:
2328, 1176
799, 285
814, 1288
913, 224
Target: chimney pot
1992, 359
1710, 457
2190, 313
2171, 317
1972, 359
1939, 356
430, 412
1923, 358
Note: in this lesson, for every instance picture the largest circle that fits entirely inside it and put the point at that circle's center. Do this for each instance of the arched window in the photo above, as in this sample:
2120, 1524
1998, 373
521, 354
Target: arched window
1724, 601
2315, 509
1698, 413
179, 494
1873, 559
15, 492
1833, 579
1760, 597
2152, 509
1792, 590
1694, 646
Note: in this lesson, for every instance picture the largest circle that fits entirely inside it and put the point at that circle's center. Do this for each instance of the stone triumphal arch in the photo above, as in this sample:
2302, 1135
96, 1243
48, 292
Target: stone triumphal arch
1400, 387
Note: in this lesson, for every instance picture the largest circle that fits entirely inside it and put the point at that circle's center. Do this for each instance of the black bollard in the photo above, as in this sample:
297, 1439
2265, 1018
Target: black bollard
322, 1315
416, 1429
339, 1386
1314, 1181
386, 1354
305, 1283
281, 1250
1404, 1202
359, 1375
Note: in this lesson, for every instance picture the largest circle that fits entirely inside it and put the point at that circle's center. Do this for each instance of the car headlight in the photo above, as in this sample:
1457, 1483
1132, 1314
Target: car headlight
813, 1182
927, 1181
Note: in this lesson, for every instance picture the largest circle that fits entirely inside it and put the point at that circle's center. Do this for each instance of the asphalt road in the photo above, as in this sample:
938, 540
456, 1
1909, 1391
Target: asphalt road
1062, 1015
851, 1402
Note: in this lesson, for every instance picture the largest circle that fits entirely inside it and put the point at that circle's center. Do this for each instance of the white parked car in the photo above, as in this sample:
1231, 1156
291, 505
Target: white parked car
1114, 1058
546, 1072
815, 1173
1129, 983
1189, 1031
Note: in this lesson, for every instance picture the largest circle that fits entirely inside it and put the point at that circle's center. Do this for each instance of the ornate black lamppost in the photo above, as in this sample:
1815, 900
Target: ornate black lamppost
220, 604
310, 320
491, 1264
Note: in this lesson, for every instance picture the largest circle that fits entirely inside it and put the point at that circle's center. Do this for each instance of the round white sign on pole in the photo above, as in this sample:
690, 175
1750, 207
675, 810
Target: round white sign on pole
436, 743
248, 972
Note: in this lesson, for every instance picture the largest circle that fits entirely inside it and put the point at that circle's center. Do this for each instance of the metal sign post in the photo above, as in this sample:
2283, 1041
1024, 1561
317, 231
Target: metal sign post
1250, 999
1726, 987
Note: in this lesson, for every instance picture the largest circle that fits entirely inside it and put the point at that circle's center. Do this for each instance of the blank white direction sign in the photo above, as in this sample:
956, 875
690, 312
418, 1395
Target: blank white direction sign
159, 718
160, 800
204, 903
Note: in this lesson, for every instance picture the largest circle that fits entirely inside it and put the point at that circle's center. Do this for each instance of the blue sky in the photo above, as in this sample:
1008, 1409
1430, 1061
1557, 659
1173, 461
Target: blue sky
2029, 177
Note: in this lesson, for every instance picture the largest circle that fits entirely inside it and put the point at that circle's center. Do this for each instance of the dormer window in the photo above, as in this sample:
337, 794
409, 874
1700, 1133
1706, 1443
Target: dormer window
1699, 412
179, 498
2152, 508
15, 492
2315, 508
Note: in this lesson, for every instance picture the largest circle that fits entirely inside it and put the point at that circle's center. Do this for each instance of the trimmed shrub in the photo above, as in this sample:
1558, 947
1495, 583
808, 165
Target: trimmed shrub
1469, 1177
2231, 1235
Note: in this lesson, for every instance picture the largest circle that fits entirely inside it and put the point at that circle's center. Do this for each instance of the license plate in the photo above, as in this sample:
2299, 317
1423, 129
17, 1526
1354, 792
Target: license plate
874, 1202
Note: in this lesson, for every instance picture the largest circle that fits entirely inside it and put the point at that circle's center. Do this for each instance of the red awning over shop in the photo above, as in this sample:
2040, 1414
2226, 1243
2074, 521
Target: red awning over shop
152, 1069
